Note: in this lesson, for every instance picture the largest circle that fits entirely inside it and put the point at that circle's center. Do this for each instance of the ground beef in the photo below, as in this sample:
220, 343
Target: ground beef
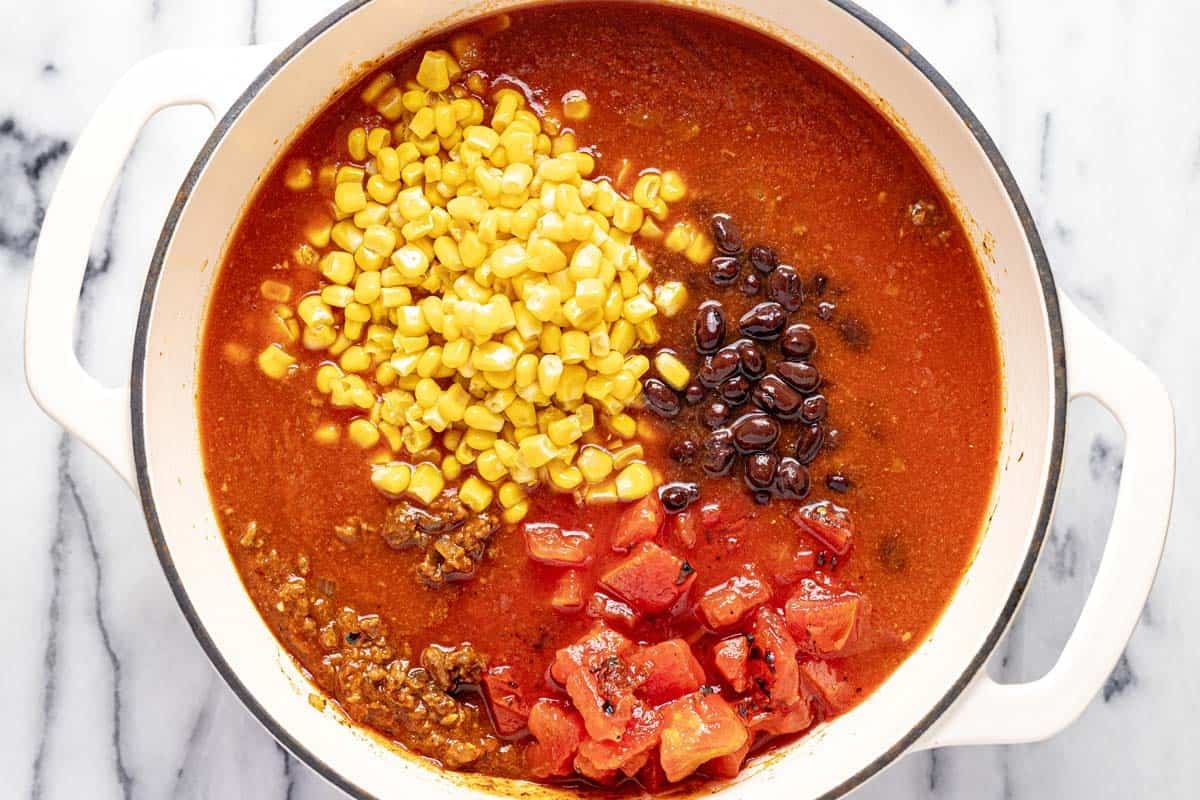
451, 667
453, 538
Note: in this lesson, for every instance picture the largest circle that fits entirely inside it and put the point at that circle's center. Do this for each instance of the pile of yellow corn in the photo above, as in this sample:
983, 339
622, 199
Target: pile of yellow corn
482, 300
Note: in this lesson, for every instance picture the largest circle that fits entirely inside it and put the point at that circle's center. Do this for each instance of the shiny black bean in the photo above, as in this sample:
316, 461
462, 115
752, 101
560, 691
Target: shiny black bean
798, 342
785, 288
724, 270
764, 322
660, 398
694, 393
808, 443
754, 432
736, 390
751, 284
710, 326
716, 414
726, 235
760, 470
763, 258
715, 370
684, 451
838, 482
778, 399
719, 452
676, 497
825, 310
814, 408
791, 479
800, 375
752, 360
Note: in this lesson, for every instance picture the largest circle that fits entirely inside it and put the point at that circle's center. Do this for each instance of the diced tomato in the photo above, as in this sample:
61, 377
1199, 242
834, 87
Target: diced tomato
651, 777
696, 729
670, 671
731, 658
599, 681
601, 759
775, 653
608, 609
822, 620
595, 646
728, 766
686, 528
641, 522
568, 592
832, 692
803, 563
828, 523
783, 720
510, 709
650, 578
557, 733
730, 600
550, 544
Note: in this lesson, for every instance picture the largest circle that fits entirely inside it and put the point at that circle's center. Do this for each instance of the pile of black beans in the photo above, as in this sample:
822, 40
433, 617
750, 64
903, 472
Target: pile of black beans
756, 391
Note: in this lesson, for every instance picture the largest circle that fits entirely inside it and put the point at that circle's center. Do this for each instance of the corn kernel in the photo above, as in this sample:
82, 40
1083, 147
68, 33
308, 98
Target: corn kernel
515, 514
427, 482
392, 478
634, 482
363, 433
594, 463
275, 362
672, 370
475, 494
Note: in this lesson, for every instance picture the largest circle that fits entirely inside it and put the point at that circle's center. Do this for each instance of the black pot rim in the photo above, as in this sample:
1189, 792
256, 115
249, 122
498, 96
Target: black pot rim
345, 782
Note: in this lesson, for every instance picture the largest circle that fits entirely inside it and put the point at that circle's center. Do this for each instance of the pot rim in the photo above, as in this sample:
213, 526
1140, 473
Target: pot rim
867, 771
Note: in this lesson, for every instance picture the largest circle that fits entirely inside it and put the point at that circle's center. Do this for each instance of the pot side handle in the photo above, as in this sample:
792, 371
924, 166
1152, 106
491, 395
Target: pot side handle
993, 713
99, 414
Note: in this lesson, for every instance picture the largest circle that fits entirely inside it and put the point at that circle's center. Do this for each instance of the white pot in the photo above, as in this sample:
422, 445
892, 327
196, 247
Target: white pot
939, 696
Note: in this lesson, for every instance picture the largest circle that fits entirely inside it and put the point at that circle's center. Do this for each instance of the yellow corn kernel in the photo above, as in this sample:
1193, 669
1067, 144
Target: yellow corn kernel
298, 176
670, 298
515, 514
538, 450
451, 468
356, 144
563, 476
480, 417
378, 85
627, 216
275, 362
634, 482
602, 494
437, 70
673, 187
363, 433
489, 466
349, 197
510, 494
627, 455
645, 191
574, 347
700, 251
638, 309
427, 482
327, 433
564, 431
576, 106
594, 463
672, 370
680, 237
622, 425
475, 494
648, 332
392, 478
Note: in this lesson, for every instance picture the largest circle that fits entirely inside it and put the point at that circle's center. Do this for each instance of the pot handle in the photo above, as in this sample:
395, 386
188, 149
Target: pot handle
99, 414
993, 713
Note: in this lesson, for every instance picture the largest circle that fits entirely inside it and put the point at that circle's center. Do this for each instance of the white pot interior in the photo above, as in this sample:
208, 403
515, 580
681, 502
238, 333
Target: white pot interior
224, 613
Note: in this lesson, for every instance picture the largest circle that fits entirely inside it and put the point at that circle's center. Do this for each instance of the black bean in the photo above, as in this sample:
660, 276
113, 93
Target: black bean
838, 482
763, 258
736, 390
722, 365
798, 342
814, 408
719, 452
785, 288
791, 479
754, 432
723, 270
808, 443
710, 326
751, 284
778, 399
760, 470
800, 375
726, 235
752, 360
684, 451
694, 393
825, 310
676, 497
764, 322
660, 398
716, 414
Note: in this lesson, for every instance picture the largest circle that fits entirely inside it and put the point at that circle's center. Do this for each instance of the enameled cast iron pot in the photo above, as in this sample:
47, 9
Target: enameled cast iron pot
940, 696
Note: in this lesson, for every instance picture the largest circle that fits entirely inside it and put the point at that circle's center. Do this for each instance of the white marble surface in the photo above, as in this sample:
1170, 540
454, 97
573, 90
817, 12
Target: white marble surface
1093, 103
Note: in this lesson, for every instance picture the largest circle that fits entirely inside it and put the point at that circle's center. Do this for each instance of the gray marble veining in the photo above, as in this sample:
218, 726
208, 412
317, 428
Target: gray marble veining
1094, 106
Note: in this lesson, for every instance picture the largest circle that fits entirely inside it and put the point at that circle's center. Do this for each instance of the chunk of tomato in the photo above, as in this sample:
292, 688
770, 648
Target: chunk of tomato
597, 645
686, 528
828, 523
650, 578
781, 720
728, 766
822, 619
550, 544
568, 592
802, 564
557, 732
510, 709
641, 522
728, 602
599, 681
698, 728
670, 671
608, 609
601, 759
731, 657
775, 652
833, 692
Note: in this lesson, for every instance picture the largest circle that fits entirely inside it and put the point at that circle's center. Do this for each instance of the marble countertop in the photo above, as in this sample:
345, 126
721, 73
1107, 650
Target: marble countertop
1093, 103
